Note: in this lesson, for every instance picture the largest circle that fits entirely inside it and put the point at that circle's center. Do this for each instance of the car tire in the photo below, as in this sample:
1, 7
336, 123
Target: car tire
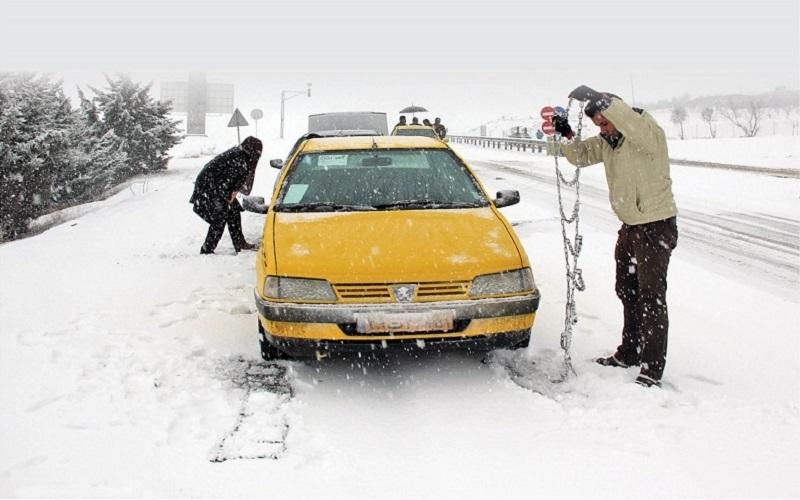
522, 344
268, 351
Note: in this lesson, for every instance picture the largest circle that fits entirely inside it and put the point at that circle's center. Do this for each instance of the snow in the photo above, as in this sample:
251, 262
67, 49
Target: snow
765, 151
130, 366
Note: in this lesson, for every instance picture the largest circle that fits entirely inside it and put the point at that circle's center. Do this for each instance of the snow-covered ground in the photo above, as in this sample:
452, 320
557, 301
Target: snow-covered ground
129, 363
766, 151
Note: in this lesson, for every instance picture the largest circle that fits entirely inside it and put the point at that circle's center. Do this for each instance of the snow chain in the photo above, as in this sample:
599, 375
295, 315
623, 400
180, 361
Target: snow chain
572, 248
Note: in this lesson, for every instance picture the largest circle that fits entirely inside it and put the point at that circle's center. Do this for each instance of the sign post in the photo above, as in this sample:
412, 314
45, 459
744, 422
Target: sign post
237, 120
256, 115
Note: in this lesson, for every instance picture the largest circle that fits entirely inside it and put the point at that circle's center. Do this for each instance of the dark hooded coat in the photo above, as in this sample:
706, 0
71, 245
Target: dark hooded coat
229, 172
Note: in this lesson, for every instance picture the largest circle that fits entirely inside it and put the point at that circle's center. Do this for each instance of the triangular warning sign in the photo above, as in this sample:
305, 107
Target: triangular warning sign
237, 120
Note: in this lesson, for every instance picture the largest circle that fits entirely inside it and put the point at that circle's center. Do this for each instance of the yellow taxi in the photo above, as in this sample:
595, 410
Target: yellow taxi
415, 130
374, 243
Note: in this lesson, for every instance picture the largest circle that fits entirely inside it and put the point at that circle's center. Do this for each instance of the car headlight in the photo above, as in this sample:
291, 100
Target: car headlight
278, 287
520, 280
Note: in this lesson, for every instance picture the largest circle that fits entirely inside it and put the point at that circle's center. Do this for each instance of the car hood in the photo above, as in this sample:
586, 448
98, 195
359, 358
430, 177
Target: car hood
393, 246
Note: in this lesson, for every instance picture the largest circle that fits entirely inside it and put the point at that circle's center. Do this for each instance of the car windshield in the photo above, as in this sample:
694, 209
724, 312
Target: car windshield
387, 179
422, 131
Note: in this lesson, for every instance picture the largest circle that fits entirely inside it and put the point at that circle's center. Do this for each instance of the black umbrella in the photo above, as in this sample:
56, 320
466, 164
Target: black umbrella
413, 109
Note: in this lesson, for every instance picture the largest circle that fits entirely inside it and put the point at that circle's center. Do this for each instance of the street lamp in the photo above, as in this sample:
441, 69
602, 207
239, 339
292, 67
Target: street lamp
288, 94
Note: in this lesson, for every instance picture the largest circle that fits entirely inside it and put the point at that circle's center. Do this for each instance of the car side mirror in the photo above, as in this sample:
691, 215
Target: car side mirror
506, 198
255, 204
276, 163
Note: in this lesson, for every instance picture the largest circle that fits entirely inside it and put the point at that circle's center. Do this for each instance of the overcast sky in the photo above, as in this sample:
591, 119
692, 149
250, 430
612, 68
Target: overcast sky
468, 62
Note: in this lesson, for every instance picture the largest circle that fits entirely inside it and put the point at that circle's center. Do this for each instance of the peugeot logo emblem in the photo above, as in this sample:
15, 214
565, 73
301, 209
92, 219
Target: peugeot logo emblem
404, 293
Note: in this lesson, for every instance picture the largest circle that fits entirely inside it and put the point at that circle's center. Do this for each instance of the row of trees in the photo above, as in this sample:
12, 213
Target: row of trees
747, 117
53, 155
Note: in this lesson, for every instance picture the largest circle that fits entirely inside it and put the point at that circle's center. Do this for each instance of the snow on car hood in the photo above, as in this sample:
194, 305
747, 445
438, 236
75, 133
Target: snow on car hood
393, 246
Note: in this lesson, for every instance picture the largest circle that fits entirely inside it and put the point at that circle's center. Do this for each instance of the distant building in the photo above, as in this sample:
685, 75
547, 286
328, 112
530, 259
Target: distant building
197, 98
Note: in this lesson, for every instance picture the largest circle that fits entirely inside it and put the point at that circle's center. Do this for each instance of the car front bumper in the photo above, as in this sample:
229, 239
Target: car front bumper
346, 313
480, 324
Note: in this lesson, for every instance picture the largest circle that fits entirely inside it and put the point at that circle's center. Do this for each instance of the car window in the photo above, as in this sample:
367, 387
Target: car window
424, 132
379, 180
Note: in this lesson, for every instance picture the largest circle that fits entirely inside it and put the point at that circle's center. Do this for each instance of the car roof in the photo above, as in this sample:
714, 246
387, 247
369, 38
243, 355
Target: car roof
414, 126
314, 145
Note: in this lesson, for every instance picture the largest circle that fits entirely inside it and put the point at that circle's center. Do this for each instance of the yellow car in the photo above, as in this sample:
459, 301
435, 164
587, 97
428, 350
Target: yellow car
378, 242
415, 130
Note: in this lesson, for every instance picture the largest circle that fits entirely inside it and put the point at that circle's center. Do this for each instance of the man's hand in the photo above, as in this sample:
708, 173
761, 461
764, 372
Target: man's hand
233, 197
584, 93
561, 124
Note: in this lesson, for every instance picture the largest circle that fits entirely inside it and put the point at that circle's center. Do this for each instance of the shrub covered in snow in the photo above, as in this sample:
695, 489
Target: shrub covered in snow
53, 156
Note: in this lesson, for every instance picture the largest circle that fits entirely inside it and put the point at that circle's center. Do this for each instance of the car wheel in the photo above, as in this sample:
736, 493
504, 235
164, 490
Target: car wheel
268, 351
522, 344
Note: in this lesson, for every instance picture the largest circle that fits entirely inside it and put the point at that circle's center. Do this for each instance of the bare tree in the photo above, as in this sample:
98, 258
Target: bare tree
790, 110
747, 118
678, 117
708, 117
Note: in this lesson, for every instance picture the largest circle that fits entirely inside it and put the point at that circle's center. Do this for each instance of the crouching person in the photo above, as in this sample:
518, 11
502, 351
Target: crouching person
215, 189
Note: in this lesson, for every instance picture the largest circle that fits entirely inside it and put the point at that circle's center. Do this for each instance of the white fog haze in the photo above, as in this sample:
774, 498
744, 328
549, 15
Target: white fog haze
470, 62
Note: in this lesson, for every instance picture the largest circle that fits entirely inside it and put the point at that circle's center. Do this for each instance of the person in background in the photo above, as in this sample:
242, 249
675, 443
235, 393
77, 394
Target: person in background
415, 121
402, 121
633, 148
215, 190
427, 123
439, 127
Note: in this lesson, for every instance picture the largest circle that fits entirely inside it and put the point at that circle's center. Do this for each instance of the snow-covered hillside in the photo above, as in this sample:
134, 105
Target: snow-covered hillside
129, 363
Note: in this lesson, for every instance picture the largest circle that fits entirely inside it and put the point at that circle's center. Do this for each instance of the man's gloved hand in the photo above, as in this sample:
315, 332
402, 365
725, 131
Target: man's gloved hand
561, 124
584, 93
595, 101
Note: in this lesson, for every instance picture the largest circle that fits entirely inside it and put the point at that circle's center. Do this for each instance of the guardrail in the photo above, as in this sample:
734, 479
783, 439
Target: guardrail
501, 143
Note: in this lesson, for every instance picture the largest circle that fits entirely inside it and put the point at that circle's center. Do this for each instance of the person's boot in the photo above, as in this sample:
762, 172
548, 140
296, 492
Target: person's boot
205, 251
245, 246
612, 361
647, 381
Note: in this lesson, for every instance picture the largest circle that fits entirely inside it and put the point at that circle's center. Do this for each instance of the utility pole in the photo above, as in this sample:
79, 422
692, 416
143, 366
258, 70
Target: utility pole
288, 94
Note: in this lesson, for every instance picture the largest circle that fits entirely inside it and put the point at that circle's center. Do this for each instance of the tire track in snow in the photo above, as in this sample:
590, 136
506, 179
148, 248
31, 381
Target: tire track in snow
261, 425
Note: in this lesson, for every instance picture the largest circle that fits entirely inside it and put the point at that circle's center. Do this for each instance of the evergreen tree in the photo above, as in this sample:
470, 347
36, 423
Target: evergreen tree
96, 155
140, 124
35, 127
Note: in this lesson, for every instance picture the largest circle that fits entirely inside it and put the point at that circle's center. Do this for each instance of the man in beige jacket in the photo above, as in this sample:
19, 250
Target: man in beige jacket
633, 148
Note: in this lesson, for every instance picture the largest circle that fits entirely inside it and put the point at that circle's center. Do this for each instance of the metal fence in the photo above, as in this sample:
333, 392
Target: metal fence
508, 143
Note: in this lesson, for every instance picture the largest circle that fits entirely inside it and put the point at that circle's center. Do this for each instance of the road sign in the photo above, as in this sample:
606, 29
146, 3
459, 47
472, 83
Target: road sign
560, 111
547, 113
237, 120
539, 134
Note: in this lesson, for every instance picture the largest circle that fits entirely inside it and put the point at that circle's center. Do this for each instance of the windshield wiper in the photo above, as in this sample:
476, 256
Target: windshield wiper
323, 206
417, 204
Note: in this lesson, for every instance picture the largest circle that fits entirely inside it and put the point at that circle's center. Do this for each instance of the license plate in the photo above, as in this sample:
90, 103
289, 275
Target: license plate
405, 322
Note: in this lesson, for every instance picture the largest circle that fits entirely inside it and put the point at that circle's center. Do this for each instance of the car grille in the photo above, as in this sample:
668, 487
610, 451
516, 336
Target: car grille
382, 292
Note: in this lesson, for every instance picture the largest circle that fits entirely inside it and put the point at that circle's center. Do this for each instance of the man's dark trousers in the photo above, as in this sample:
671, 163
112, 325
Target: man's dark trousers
226, 214
642, 255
